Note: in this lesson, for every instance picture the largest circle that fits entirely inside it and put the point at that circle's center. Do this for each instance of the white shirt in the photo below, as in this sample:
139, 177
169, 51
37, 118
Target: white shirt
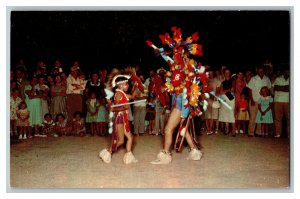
72, 89
256, 83
280, 96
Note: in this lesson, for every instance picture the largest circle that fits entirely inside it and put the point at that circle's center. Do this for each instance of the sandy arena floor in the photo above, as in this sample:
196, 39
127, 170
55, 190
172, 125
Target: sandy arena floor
227, 162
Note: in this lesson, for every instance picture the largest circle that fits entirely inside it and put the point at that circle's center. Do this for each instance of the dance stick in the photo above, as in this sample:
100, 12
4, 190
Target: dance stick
161, 50
221, 100
137, 101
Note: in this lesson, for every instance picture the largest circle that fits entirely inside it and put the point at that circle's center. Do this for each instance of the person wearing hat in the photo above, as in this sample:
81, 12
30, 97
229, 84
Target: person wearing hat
75, 86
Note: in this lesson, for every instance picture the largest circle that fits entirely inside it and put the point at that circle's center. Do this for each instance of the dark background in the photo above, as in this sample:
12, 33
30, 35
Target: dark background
105, 39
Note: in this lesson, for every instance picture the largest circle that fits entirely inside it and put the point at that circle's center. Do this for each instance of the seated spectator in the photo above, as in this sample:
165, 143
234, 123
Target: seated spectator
61, 126
78, 125
48, 126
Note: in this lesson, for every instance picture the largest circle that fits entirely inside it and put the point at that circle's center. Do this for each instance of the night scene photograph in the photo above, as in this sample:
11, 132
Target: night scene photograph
140, 98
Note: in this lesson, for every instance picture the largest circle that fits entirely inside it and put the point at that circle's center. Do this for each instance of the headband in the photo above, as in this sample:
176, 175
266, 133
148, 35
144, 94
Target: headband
114, 83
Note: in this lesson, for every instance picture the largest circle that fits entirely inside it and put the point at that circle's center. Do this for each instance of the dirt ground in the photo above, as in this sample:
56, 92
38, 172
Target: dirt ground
227, 162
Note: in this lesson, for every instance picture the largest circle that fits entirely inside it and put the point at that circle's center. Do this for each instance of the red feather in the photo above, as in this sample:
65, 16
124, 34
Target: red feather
195, 36
135, 78
149, 43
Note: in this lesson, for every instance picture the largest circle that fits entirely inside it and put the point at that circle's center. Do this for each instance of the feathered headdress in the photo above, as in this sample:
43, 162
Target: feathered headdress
127, 73
186, 76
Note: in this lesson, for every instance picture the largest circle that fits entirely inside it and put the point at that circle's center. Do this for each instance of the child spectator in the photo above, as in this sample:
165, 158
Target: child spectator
150, 115
243, 114
33, 101
91, 116
15, 101
22, 121
61, 125
48, 126
78, 124
264, 114
102, 118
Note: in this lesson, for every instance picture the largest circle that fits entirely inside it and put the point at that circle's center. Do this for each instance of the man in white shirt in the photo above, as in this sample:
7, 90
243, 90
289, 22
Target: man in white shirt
254, 85
281, 87
75, 87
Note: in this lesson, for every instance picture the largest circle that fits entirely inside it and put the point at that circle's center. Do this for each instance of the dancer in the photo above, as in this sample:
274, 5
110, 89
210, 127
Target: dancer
120, 125
184, 81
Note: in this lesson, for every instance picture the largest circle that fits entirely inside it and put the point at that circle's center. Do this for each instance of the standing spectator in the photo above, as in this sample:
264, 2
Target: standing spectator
222, 73
42, 68
218, 76
247, 78
75, 86
50, 81
14, 85
95, 86
58, 98
21, 65
43, 90
281, 102
22, 120
243, 114
92, 113
57, 68
264, 114
102, 117
254, 85
139, 110
150, 115
63, 78
212, 113
34, 103
22, 81
149, 79
161, 101
273, 77
239, 86
104, 76
226, 115
149, 83
15, 101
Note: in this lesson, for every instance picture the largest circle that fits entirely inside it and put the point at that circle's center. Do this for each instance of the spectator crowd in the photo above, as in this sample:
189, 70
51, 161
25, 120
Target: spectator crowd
54, 102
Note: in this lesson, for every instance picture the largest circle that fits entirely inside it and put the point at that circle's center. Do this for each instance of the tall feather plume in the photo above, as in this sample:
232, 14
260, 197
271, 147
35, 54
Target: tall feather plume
110, 77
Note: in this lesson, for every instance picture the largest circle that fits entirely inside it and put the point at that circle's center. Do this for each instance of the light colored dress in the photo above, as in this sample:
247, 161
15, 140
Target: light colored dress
58, 103
14, 106
23, 113
92, 105
225, 114
45, 107
264, 104
35, 109
102, 114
